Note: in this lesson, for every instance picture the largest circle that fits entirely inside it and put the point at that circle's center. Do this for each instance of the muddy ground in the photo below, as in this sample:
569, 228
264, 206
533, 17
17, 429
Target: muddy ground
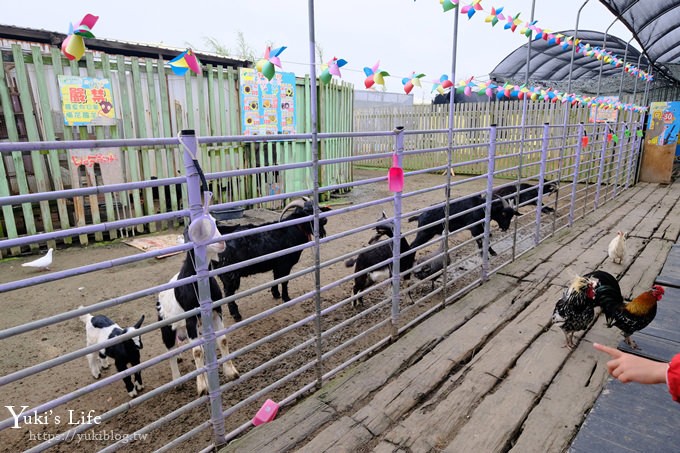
30, 304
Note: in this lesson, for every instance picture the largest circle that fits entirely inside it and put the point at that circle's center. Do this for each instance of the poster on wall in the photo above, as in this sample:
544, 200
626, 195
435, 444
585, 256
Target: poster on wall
664, 123
600, 115
86, 101
268, 107
95, 167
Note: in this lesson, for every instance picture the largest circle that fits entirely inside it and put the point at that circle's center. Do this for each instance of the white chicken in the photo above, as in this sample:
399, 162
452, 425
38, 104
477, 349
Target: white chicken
42, 263
617, 247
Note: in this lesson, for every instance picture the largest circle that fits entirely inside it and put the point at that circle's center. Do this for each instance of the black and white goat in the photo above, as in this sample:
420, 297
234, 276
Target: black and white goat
528, 194
255, 245
98, 329
501, 212
174, 302
374, 256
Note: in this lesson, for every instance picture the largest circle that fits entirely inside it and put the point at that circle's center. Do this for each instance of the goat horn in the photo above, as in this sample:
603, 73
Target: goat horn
503, 200
300, 203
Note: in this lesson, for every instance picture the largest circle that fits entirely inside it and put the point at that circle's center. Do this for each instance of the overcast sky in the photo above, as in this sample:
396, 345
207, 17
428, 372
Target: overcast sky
405, 35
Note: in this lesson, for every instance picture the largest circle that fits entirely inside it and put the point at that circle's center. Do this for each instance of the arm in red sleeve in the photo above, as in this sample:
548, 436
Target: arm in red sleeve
673, 378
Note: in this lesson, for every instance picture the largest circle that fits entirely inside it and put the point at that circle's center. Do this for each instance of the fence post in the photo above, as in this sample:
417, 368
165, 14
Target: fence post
396, 239
190, 146
619, 158
577, 169
491, 169
631, 153
601, 171
541, 181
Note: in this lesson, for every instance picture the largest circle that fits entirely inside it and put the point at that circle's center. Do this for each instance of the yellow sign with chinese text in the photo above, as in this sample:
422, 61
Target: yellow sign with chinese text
86, 101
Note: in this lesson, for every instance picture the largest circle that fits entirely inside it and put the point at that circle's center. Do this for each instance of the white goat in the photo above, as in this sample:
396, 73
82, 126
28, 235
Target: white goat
174, 302
99, 329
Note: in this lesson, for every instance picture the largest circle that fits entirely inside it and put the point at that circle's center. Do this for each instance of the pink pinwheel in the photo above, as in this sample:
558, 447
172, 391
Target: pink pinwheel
266, 65
513, 22
471, 9
73, 46
442, 84
495, 16
375, 75
330, 69
410, 82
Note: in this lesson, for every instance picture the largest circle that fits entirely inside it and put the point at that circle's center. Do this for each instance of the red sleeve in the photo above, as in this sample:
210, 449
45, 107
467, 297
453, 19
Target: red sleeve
673, 378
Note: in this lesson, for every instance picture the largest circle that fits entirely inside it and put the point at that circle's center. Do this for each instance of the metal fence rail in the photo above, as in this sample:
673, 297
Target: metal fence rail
286, 349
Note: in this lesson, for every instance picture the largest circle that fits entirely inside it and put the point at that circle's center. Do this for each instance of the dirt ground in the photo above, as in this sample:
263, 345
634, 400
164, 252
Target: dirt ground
30, 304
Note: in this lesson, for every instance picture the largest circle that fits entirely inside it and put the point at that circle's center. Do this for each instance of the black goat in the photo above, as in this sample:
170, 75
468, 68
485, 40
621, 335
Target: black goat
266, 242
501, 212
101, 328
174, 302
374, 256
528, 194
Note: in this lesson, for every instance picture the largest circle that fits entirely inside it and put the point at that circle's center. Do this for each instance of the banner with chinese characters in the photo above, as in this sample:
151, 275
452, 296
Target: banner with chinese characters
86, 101
600, 114
268, 106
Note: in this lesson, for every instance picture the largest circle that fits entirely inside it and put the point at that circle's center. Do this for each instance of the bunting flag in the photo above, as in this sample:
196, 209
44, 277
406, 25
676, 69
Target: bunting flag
73, 46
531, 30
471, 86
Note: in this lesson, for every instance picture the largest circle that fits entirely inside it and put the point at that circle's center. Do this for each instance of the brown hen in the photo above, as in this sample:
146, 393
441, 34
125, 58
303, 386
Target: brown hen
635, 315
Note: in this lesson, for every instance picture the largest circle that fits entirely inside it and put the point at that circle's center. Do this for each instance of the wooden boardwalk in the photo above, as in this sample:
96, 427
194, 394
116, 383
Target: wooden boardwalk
489, 373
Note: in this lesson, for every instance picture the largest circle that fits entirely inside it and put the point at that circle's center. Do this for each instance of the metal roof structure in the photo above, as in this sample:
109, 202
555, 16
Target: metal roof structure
551, 63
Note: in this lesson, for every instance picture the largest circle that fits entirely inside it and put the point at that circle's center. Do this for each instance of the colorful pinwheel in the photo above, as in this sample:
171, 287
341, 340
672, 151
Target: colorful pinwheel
448, 5
513, 22
185, 61
375, 75
495, 16
267, 65
330, 69
73, 46
471, 9
410, 82
442, 84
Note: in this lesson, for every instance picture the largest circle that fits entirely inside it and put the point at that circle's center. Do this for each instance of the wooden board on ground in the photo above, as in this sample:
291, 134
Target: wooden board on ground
150, 243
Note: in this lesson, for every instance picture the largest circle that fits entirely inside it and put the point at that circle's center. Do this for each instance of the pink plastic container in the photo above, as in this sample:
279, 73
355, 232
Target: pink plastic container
266, 413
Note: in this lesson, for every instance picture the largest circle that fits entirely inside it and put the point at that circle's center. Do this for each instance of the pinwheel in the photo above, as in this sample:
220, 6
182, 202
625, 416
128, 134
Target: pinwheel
513, 22
330, 69
442, 84
495, 16
267, 65
375, 75
73, 46
471, 9
411, 81
448, 5
185, 61
465, 86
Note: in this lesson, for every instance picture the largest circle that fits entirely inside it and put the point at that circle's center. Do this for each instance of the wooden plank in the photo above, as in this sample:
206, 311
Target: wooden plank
99, 133
26, 98
48, 131
130, 155
20, 172
158, 152
142, 131
113, 132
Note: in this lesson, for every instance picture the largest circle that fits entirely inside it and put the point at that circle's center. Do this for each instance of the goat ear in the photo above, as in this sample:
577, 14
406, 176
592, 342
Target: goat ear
139, 323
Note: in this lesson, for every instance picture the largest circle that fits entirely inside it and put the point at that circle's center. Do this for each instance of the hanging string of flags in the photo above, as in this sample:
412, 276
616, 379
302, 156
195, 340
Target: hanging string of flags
530, 29
509, 91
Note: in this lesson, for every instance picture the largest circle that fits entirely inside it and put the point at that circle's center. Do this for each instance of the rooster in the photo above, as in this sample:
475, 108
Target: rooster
576, 308
634, 315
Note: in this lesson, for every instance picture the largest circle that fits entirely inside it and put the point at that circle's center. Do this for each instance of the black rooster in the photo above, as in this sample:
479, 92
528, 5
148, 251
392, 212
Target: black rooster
628, 317
576, 308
